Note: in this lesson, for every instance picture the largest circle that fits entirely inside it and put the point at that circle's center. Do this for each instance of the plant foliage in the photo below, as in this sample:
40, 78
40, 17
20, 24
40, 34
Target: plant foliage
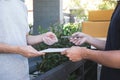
105, 5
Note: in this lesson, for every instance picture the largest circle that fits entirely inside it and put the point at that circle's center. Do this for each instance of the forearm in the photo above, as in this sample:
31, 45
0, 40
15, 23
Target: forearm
106, 58
5, 48
99, 44
31, 40
26, 51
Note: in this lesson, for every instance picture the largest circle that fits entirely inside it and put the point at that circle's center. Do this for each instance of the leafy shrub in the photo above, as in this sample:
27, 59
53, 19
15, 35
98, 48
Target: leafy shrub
105, 5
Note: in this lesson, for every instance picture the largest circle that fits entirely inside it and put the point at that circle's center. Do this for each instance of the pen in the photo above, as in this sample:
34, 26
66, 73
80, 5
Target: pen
66, 36
69, 37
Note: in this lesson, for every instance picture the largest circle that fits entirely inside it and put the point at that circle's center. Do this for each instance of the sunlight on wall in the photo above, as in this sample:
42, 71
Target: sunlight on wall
86, 4
66, 6
29, 4
90, 4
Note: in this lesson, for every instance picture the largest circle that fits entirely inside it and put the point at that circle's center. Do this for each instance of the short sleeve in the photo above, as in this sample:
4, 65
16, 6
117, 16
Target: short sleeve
28, 29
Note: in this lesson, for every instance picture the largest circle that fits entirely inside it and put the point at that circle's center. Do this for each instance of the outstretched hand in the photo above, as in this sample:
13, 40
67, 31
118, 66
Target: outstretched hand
79, 38
75, 53
49, 38
29, 51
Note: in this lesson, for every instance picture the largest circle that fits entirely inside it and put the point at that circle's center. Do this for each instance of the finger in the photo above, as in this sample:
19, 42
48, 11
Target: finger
65, 52
46, 41
68, 55
51, 35
75, 41
73, 47
82, 41
41, 53
53, 40
74, 34
78, 42
30, 55
49, 41
37, 54
70, 59
71, 40
77, 34
74, 60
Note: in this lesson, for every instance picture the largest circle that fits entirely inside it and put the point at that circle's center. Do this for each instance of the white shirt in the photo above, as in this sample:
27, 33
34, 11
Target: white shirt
13, 30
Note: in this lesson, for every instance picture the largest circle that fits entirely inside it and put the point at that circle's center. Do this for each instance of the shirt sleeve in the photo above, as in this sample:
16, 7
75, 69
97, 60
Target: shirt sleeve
28, 29
26, 11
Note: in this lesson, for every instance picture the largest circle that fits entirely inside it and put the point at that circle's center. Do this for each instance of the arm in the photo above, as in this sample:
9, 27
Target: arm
106, 58
31, 40
26, 51
84, 38
48, 38
5, 48
99, 44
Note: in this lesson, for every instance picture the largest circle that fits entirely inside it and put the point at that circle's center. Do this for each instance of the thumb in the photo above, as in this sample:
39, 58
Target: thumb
41, 53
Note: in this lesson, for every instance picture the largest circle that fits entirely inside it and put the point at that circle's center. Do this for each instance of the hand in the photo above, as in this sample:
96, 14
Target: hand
49, 38
75, 53
29, 51
79, 38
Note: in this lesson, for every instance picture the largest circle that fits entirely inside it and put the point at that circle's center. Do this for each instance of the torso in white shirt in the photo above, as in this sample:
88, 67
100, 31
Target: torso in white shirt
13, 30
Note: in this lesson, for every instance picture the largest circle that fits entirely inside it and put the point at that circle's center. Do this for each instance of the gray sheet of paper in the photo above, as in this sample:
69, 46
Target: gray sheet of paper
53, 50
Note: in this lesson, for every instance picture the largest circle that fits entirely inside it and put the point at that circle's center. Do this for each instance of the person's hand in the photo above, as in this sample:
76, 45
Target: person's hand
75, 53
49, 38
29, 51
79, 38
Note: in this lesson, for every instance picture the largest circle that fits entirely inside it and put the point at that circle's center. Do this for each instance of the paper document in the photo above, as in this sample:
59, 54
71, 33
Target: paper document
52, 50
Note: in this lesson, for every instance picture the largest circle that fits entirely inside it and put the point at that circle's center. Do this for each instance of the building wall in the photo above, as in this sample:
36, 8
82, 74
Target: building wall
46, 13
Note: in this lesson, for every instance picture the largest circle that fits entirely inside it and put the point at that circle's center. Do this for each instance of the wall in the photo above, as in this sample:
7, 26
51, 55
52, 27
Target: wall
46, 13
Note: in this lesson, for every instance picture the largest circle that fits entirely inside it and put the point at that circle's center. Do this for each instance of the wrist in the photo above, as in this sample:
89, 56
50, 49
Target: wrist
19, 50
42, 37
85, 53
89, 39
